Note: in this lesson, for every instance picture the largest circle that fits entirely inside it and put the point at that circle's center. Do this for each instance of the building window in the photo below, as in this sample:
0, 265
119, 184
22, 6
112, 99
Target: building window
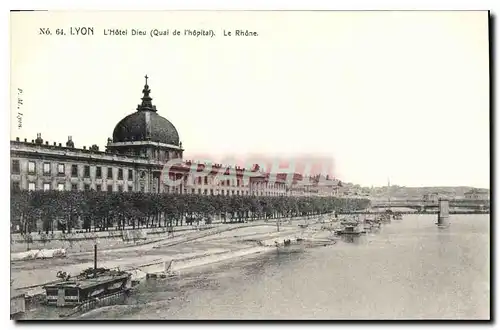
205, 180
222, 192
238, 193
74, 187
232, 192
60, 186
227, 182
120, 188
16, 186
16, 169
60, 169
98, 187
46, 168
199, 191
110, 173
98, 172
110, 188
46, 186
130, 175
130, 188
86, 187
211, 191
120, 174
31, 167
192, 191
31, 186
74, 170
86, 171
204, 191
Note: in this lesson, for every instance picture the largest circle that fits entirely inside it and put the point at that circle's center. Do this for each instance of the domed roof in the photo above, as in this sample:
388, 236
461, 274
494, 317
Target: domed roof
142, 126
146, 124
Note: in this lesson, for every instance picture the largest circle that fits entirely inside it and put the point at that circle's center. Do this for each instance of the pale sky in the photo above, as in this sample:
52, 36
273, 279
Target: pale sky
399, 95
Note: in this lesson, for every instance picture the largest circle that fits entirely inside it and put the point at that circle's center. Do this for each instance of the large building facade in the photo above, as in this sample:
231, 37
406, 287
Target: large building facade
135, 159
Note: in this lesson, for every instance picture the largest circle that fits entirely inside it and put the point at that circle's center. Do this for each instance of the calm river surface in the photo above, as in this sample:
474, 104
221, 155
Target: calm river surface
409, 270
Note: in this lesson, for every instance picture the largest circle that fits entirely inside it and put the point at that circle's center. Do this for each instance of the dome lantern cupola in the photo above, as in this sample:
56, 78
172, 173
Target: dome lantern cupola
146, 104
146, 125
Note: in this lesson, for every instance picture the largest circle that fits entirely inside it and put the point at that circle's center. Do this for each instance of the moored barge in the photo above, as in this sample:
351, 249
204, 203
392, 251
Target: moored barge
94, 287
350, 228
72, 293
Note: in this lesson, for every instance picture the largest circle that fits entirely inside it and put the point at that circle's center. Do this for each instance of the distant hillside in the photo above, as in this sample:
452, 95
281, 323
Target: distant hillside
408, 192
416, 192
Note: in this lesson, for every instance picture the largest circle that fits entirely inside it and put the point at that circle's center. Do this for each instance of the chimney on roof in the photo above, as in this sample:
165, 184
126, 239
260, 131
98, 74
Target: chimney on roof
55, 144
60, 144
70, 142
84, 148
39, 139
25, 140
17, 139
47, 142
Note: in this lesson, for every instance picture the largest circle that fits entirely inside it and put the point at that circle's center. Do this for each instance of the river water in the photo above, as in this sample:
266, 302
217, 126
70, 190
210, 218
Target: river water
409, 270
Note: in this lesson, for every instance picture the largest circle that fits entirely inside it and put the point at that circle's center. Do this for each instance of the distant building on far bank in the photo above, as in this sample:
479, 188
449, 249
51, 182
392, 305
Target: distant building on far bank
310, 186
432, 197
476, 194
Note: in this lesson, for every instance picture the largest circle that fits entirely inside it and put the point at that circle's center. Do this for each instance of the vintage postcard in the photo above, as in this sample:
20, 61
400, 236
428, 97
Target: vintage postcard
250, 165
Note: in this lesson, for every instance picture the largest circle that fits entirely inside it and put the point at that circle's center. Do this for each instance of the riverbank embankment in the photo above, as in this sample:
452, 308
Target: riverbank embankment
176, 254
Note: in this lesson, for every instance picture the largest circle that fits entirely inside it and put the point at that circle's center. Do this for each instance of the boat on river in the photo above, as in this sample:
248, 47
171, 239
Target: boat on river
372, 222
290, 246
384, 218
397, 216
93, 288
350, 228
91, 284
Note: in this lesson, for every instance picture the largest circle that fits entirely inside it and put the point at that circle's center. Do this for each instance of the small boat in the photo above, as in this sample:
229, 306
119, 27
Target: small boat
384, 218
397, 216
373, 222
350, 228
289, 246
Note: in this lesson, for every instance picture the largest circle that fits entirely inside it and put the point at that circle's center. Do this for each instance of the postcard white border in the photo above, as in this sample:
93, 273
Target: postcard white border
185, 4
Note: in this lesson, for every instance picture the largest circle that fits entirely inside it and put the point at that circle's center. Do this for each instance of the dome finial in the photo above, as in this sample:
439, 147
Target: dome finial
146, 99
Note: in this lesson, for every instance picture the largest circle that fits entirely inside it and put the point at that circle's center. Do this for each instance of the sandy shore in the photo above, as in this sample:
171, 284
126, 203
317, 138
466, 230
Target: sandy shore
182, 252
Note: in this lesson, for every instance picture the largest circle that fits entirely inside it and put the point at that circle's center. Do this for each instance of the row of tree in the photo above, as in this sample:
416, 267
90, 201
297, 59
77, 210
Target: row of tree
68, 210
